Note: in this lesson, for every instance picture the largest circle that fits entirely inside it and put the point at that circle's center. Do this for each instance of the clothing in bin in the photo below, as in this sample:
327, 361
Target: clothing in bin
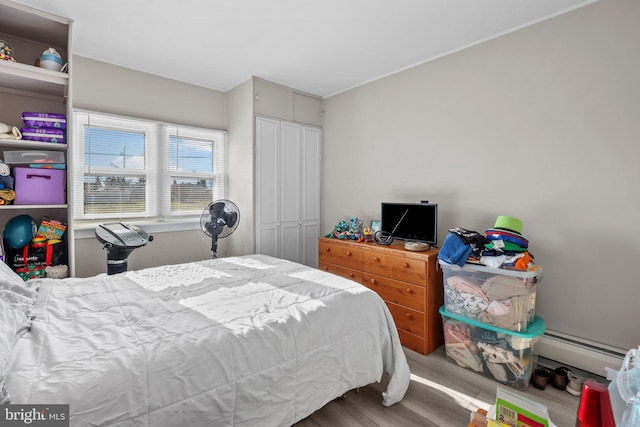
504, 356
499, 297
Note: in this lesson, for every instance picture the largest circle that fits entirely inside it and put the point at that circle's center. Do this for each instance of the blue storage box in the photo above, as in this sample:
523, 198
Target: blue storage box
507, 357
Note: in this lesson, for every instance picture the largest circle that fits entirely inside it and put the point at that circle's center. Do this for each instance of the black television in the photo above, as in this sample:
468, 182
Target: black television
415, 222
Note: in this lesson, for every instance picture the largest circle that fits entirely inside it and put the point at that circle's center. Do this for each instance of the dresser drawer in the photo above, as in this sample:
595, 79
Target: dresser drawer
400, 268
401, 293
340, 254
411, 341
407, 319
341, 271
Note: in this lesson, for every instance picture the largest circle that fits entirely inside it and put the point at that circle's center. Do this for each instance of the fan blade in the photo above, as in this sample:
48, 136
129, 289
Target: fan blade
232, 217
216, 226
217, 209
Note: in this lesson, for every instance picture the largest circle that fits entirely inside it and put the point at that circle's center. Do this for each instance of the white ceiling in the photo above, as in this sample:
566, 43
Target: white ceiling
321, 47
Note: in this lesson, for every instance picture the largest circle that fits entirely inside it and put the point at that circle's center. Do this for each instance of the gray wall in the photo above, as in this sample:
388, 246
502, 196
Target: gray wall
108, 88
240, 178
542, 124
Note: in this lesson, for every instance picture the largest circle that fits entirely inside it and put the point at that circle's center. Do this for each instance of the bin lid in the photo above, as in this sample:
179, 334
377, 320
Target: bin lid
536, 328
522, 274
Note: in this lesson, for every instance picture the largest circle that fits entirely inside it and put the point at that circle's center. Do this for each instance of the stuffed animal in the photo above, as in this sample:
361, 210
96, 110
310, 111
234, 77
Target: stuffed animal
367, 235
6, 185
340, 231
56, 271
355, 230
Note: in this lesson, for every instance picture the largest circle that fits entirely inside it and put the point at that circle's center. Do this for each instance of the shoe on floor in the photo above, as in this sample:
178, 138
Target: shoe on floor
560, 378
540, 378
574, 386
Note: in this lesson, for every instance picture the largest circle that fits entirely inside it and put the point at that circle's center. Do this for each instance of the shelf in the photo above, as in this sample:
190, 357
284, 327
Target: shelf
27, 207
25, 144
17, 76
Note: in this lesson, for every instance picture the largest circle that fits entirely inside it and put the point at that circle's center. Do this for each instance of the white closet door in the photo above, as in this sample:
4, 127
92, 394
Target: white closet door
311, 180
291, 138
267, 186
287, 190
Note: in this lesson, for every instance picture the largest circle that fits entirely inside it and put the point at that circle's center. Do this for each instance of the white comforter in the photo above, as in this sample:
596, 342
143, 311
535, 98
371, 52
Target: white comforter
244, 341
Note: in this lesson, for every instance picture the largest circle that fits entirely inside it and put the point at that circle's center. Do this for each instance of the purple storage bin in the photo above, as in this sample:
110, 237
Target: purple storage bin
45, 120
39, 186
43, 134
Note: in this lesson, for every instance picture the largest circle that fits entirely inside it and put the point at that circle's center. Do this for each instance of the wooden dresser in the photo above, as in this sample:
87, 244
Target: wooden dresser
409, 282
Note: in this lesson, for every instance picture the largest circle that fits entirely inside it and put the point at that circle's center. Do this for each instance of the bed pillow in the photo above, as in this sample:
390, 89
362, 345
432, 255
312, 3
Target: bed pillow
13, 323
10, 280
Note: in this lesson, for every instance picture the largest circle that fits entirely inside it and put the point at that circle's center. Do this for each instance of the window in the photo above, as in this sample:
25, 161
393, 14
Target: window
134, 168
194, 169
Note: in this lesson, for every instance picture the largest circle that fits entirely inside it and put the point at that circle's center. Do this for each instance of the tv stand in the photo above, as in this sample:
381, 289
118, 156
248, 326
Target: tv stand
409, 283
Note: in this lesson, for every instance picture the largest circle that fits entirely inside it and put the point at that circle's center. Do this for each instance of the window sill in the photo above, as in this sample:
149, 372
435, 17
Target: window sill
86, 230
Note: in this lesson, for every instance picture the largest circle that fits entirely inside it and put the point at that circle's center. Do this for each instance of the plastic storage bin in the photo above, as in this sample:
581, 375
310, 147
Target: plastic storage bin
494, 296
35, 159
39, 186
507, 357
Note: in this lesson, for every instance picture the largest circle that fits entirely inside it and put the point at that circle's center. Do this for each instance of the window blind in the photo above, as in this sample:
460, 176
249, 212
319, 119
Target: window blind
140, 168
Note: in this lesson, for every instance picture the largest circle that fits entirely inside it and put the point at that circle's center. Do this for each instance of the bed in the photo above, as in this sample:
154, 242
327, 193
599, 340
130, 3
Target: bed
239, 341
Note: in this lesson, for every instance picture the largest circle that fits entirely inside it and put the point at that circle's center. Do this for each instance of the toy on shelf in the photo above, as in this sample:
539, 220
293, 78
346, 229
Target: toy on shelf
367, 236
6, 51
56, 271
352, 229
340, 231
355, 230
7, 193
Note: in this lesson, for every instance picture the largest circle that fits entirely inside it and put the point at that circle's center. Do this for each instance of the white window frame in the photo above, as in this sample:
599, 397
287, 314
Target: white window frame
218, 174
156, 171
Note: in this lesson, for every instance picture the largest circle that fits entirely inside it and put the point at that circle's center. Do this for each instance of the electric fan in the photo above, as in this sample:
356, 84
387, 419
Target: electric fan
218, 220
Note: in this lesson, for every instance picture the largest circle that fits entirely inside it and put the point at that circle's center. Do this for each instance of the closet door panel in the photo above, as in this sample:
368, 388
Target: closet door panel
311, 145
290, 249
267, 240
290, 185
309, 255
267, 166
307, 110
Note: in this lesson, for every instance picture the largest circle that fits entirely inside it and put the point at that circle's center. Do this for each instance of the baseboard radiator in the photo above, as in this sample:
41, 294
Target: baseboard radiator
579, 353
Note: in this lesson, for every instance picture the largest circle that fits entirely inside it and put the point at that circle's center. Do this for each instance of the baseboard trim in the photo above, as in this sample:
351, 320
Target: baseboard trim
583, 354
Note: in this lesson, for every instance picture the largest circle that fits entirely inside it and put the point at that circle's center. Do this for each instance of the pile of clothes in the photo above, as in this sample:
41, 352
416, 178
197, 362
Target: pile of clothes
498, 300
500, 246
502, 357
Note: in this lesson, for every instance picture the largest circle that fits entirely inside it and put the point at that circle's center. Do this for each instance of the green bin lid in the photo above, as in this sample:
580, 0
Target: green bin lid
535, 329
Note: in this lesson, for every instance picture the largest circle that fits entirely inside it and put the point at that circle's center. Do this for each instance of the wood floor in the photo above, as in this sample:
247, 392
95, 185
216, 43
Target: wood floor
441, 394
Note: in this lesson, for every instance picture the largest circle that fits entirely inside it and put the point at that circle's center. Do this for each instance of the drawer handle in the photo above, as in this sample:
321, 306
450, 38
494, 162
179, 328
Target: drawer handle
376, 259
373, 281
326, 268
348, 253
33, 175
351, 275
409, 290
405, 265
328, 249
408, 315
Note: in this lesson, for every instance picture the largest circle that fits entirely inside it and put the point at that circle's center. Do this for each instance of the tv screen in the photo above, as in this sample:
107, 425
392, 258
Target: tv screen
417, 222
